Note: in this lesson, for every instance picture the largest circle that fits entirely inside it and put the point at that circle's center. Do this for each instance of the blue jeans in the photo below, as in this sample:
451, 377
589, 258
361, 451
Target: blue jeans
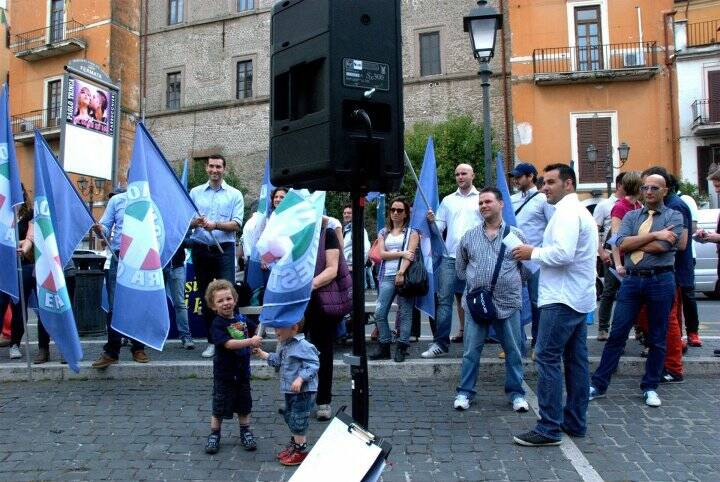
448, 284
369, 279
657, 293
386, 293
297, 411
562, 335
507, 331
175, 289
533, 286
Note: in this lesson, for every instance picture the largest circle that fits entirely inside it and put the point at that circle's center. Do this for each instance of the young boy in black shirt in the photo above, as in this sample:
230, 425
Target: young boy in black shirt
231, 365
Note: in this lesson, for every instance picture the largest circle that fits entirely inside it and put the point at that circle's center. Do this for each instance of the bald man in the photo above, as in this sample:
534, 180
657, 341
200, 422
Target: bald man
648, 238
458, 213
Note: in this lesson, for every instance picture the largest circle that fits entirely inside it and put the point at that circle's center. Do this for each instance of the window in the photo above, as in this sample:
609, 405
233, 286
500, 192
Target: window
245, 5
588, 39
430, 54
54, 92
57, 17
172, 93
713, 90
598, 132
176, 9
243, 85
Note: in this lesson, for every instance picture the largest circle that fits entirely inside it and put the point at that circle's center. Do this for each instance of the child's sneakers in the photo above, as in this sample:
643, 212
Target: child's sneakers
247, 439
295, 456
213, 443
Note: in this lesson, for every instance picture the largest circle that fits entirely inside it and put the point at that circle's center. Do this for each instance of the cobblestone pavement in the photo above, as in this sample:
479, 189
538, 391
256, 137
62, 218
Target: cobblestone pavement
155, 430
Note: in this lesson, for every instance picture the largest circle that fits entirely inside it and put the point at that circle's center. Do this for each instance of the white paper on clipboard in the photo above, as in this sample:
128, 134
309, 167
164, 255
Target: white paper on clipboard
339, 454
511, 241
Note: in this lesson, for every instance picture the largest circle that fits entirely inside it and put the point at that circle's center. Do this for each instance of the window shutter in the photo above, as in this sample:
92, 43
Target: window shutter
714, 95
704, 159
595, 131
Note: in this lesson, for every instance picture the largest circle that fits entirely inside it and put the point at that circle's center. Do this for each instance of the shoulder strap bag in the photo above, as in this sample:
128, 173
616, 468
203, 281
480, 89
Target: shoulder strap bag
479, 300
526, 201
416, 278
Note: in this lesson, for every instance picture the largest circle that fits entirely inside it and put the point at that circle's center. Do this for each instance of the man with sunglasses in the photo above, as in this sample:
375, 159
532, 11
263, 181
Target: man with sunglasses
649, 238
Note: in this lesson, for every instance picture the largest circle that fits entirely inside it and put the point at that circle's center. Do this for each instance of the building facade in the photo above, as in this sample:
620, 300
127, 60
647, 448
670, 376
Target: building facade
45, 35
206, 76
697, 44
593, 73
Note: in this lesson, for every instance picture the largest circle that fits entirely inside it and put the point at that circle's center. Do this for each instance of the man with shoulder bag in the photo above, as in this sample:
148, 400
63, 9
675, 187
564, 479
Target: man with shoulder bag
493, 296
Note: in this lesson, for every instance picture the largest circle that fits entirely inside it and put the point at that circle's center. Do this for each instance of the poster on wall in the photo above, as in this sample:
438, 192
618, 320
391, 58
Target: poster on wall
90, 128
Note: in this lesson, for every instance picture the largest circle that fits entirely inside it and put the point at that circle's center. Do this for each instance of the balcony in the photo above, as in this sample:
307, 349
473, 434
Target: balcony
595, 63
706, 117
57, 39
46, 120
703, 34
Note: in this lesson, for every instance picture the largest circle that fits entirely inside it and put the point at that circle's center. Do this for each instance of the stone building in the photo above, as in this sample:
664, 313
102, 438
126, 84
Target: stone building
206, 76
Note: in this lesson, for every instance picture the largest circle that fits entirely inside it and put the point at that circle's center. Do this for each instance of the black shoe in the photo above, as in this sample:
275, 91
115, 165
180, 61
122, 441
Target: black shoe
669, 377
213, 443
382, 352
400, 352
716, 352
534, 439
247, 439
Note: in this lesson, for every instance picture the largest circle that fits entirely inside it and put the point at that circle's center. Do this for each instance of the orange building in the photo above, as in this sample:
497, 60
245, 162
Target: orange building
45, 35
593, 73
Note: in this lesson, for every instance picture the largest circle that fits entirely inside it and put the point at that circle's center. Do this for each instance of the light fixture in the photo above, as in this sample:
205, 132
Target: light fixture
623, 152
82, 184
482, 23
592, 153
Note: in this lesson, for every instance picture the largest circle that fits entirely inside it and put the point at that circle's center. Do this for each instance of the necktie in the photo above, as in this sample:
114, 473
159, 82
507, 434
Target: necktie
637, 256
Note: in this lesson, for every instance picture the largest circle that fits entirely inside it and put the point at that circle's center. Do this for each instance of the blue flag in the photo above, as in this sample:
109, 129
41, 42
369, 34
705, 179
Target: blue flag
60, 222
508, 212
156, 219
291, 240
10, 196
380, 212
371, 196
431, 243
256, 276
185, 175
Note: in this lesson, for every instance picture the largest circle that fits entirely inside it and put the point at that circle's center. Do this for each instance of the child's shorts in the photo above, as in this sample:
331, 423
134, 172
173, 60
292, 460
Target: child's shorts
231, 396
297, 411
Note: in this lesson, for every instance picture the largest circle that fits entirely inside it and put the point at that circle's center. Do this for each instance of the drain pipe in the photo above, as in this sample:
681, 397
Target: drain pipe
669, 19
509, 160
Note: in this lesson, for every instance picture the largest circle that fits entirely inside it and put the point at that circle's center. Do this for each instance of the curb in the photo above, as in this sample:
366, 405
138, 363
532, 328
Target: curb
382, 370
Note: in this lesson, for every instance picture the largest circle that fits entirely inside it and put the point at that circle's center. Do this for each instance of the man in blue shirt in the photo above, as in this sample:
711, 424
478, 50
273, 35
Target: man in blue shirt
221, 209
111, 225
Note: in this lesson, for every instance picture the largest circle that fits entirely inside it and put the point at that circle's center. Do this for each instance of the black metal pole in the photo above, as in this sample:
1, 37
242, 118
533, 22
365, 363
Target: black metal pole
358, 369
487, 132
609, 173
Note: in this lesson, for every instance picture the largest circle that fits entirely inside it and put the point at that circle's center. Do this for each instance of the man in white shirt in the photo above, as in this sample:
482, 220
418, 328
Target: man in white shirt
458, 213
347, 238
567, 295
532, 213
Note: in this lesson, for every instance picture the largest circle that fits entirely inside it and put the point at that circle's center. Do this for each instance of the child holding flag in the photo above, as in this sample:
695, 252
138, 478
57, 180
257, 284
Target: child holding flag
231, 365
298, 361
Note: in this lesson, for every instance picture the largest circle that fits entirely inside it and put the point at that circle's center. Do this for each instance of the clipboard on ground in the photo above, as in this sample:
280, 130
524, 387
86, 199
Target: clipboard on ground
345, 451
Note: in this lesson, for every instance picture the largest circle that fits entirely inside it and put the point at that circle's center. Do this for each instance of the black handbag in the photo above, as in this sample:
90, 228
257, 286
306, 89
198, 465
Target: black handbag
479, 300
416, 278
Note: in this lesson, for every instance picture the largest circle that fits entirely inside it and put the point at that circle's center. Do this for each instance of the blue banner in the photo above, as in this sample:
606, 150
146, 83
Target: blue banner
508, 212
60, 221
256, 276
10, 196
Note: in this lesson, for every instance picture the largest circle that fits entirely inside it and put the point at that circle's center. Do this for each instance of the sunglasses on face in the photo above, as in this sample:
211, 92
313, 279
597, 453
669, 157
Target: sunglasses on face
397, 210
649, 188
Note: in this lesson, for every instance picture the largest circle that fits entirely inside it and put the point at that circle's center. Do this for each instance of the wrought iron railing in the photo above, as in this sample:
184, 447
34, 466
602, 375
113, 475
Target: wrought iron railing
57, 32
700, 34
37, 119
591, 58
705, 111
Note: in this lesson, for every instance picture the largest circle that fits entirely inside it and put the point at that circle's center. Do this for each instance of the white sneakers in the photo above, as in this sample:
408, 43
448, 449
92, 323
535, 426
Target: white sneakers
15, 352
434, 352
462, 402
652, 399
520, 405
209, 352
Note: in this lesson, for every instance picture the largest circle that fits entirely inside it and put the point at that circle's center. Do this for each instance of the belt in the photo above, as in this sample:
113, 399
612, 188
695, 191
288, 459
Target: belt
212, 248
647, 272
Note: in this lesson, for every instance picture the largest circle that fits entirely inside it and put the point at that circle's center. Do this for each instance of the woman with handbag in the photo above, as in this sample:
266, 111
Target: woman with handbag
330, 301
397, 248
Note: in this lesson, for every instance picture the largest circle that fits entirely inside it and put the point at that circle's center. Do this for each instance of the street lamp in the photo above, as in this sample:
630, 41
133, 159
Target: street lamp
623, 153
482, 23
89, 189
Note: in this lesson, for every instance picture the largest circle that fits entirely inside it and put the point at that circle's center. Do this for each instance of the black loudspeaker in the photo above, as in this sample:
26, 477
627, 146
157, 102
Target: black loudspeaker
336, 118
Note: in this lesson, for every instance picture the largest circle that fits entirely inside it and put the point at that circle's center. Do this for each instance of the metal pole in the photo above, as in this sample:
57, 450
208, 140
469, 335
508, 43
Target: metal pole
487, 129
23, 301
609, 173
358, 363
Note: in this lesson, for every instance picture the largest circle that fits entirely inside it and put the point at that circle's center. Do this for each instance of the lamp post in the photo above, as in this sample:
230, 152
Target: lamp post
623, 153
88, 188
483, 23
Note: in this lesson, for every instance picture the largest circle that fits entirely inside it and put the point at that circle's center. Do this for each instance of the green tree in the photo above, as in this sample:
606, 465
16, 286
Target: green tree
687, 187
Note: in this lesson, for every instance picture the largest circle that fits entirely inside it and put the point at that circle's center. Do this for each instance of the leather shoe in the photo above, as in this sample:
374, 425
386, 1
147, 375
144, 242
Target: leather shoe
140, 356
5, 341
104, 361
42, 356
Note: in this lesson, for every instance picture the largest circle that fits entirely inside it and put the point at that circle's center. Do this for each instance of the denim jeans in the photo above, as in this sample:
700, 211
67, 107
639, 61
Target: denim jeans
112, 347
211, 264
369, 279
657, 293
533, 286
175, 289
447, 286
610, 289
507, 331
386, 293
562, 336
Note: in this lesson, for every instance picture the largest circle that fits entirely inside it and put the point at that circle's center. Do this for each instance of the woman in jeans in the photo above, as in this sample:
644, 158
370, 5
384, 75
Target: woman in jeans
397, 246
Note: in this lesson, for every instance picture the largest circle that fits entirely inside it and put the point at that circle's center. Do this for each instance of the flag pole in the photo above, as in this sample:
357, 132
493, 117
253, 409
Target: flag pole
433, 226
23, 301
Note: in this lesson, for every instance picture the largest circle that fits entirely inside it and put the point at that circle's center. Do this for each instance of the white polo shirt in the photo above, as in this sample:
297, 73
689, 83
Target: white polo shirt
458, 213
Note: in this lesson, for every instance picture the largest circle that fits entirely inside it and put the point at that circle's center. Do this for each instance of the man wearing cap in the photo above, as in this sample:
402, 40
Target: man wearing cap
532, 213
111, 225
